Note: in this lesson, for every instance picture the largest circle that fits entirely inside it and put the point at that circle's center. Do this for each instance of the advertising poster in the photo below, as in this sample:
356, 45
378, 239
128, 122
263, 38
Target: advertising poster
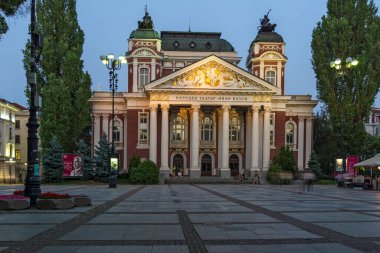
351, 161
72, 165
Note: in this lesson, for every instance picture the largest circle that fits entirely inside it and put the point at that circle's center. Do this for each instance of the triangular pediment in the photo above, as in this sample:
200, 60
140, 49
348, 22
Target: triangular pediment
211, 74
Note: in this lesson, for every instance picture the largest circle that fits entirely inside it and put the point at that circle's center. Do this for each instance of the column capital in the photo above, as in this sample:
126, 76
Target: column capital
226, 107
301, 117
267, 109
165, 107
309, 118
153, 107
255, 108
195, 108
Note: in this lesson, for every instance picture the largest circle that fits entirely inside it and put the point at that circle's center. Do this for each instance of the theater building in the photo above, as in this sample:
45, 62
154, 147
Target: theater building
188, 105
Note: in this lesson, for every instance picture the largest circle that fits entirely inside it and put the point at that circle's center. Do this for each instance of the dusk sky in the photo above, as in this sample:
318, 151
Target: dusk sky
108, 24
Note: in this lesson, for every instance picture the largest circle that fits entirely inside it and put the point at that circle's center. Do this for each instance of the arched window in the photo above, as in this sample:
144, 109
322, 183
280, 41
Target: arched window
290, 134
206, 129
178, 129
117, 131
143, 77
270, 76
234, 129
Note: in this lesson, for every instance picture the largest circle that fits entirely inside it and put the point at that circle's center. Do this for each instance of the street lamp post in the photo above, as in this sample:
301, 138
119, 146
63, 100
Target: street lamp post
112, 65
32, 180
341, 68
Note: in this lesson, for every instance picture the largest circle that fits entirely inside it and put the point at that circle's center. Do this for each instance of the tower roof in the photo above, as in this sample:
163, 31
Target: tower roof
268, 37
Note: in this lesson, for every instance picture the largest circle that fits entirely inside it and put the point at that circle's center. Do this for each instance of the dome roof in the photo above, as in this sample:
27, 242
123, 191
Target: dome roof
268, 37
144, 34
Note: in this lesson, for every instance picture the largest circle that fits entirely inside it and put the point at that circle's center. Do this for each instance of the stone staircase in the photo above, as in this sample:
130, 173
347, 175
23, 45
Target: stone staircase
206, 180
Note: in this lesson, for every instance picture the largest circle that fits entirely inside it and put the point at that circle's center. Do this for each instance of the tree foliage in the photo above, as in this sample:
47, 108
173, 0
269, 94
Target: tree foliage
325, 143
146, 173
8, 8
285, 160
84, 150
350, 28
63, 85
52, 161
102, 156
314, 165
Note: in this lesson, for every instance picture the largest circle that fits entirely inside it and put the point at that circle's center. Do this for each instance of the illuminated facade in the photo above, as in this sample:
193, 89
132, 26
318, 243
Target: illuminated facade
188, 105
7, 141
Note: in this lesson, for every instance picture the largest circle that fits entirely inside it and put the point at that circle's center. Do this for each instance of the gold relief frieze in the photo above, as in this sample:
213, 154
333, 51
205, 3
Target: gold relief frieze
262, 98
211, 75
159, 97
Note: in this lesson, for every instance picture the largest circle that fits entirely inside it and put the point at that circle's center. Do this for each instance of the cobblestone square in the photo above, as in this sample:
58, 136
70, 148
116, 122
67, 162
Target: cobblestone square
198, 218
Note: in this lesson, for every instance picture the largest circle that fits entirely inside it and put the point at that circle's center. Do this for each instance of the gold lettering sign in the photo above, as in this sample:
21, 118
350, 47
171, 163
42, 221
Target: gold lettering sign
159, 97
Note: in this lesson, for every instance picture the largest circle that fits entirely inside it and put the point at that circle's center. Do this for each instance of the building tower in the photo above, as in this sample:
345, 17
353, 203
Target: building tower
266, 58
144, 55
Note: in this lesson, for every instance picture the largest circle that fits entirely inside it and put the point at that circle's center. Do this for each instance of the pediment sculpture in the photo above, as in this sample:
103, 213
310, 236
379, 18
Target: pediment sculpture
211, 75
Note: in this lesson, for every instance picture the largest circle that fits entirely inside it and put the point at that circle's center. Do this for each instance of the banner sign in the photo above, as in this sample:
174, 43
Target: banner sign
72, 165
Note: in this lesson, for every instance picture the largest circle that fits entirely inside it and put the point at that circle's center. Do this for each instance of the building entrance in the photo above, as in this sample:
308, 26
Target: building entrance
234, 165
206, 164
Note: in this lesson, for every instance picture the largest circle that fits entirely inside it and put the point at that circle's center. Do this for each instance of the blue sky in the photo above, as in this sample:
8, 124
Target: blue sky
108, 24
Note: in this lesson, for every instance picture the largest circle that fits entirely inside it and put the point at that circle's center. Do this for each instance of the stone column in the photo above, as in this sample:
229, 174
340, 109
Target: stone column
153, 75
225, 172
153, 133
125, 135
266, 135
165, 139
262, 70
97, 132
220, 131
255, 139
300, 140
106, 129
248, 147
278, 77
195, 170
135, 75
309, 135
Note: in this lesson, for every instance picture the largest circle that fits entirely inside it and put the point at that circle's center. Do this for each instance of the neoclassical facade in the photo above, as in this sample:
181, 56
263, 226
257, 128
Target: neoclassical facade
188, 105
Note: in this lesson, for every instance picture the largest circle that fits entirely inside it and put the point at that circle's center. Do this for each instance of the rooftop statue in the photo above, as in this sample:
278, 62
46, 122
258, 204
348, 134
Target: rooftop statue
265, 26
147, 22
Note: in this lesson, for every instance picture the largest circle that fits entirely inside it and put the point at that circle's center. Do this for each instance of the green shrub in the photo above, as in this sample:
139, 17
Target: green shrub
134, 162
274, 168
146, 173
285, 159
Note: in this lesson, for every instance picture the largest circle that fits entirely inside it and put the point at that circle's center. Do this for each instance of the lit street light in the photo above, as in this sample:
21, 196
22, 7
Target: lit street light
341, 68
112, 65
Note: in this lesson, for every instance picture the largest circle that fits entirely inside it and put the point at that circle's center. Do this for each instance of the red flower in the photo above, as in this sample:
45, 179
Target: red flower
18, 192
53, 195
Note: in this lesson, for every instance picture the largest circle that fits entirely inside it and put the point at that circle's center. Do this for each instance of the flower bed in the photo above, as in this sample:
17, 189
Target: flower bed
13, 202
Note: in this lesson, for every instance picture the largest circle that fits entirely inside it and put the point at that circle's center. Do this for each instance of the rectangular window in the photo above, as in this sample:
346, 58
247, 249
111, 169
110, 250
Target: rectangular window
17, 139
17, 155
10, 134
143, 77
143, 136
17, 124
271, 129
143, 118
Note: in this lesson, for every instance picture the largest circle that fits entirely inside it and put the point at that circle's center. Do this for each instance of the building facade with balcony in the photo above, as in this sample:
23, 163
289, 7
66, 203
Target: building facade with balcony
188, 105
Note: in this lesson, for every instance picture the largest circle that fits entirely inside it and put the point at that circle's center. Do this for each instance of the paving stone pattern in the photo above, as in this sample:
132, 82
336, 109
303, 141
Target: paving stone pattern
198, 218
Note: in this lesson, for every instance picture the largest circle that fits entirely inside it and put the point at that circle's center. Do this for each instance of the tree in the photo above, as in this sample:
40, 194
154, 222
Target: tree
314, 165
83, 149
64, 87
8, 8
350, 28
102, 156
325, 143
52, 161
285, 160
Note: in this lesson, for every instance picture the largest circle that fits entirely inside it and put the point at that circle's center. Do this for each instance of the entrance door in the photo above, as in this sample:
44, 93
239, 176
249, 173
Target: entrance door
234, 165
178, 163
206, 163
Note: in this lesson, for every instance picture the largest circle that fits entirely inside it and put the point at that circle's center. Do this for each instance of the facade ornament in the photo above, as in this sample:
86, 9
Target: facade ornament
147, 22
159, 97
265, 26
262, 98
144, 44
144, 52
211, 75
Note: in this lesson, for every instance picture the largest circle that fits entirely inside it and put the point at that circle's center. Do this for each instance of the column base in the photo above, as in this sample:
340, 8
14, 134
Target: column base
165, 170
225, 173
195, 173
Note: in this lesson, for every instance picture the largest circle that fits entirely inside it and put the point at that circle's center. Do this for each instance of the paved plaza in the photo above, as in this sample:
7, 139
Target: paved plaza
198, 218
